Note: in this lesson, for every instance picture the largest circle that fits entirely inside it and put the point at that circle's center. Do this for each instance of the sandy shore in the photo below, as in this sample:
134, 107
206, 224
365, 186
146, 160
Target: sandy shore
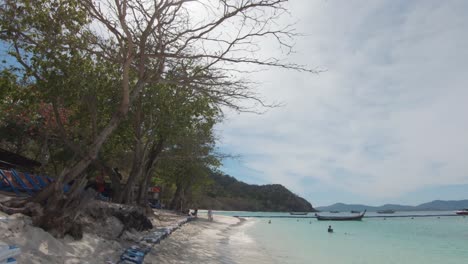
201, 241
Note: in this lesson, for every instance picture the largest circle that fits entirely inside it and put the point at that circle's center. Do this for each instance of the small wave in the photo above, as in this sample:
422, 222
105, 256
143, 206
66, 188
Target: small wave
241, 241
240, 237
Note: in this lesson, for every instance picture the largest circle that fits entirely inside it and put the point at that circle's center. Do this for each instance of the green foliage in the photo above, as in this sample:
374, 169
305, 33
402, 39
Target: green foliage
55, 58
186, 123
70, 84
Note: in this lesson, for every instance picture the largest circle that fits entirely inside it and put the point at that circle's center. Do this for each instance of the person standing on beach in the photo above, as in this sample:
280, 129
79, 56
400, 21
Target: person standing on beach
210, 215
195, 212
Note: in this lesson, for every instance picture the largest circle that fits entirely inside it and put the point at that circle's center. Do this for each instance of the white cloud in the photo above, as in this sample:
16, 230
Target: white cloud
389, 116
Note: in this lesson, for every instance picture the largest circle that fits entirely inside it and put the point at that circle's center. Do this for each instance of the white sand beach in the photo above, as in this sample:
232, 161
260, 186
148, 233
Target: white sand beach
201, 241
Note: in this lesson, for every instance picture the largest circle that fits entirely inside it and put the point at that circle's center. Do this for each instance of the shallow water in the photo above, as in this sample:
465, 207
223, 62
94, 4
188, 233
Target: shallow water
373, 240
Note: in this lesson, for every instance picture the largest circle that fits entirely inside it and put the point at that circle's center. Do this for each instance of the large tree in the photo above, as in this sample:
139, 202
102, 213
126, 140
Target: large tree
122, 47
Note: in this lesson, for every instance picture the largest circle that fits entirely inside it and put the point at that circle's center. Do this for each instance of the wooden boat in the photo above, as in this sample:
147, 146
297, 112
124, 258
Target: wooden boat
462, 212
355, 212
386, 212
341, 218
298, 213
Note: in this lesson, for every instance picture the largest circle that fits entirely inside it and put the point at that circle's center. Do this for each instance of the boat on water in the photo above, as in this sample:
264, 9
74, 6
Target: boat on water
355, 212
386, 212
298, 213
341, 218
334, 212
462, 212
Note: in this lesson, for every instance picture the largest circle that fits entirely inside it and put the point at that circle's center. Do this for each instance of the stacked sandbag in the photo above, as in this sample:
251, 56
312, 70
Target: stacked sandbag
136, 253
7, 254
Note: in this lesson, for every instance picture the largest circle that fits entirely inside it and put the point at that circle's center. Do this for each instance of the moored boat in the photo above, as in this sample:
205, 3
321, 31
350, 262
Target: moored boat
298, 213
341, 218
355, 212
462, 212
386, 212
334, 212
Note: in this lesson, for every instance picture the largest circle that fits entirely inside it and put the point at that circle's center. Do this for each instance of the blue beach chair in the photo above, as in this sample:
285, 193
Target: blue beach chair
7, 183
32, 179
42, 181
26, 186
27, 181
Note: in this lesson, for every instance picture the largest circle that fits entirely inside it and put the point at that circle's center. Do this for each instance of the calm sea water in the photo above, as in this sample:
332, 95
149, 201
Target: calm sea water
374, 240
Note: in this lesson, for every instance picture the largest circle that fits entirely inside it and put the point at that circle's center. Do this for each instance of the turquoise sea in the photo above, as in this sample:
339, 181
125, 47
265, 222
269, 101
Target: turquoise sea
425, 240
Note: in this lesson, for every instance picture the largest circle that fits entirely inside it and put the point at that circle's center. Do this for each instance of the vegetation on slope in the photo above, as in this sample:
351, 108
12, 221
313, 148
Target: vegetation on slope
227, 193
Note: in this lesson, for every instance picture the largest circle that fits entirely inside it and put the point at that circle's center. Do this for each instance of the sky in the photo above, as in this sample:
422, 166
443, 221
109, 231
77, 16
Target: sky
387, 122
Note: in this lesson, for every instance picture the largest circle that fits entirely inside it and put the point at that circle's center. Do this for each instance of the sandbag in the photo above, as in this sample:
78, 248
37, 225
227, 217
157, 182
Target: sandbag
7, 252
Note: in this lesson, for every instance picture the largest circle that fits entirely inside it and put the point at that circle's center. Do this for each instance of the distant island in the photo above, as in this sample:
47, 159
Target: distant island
227, 193
436, 205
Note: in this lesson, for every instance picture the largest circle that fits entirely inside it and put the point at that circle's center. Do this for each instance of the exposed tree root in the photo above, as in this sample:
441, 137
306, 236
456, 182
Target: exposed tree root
132, 217
65, 214
24, 207
59, 215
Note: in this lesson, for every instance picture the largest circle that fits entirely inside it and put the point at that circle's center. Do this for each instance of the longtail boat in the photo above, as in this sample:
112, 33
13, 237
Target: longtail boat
341, 218
462, 212
386, 212
298, 213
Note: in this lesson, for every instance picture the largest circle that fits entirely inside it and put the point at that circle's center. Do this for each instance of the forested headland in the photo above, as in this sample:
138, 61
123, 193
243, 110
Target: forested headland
128, 91
224, 192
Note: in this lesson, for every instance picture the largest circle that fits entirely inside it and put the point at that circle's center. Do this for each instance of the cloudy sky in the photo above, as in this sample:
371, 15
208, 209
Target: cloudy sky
388, 120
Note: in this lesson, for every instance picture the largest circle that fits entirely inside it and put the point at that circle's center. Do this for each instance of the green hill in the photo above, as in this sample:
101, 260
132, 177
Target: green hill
227, 193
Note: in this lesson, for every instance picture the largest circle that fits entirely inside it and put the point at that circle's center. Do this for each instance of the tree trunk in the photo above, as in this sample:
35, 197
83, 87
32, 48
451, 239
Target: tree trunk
115, 179
148, 172
135, 173
176, 203
60, 220
138, 156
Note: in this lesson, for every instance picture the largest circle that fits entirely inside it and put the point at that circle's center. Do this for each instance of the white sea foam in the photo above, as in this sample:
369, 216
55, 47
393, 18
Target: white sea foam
239, 235
243, 248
